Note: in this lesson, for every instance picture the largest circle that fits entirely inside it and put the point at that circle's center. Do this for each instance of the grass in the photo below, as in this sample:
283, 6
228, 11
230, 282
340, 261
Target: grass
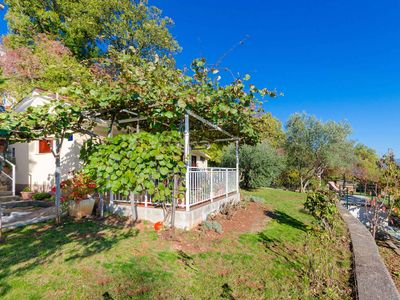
92, 260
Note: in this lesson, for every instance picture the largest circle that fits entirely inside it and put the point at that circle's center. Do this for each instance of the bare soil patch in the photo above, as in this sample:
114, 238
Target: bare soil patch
247, 217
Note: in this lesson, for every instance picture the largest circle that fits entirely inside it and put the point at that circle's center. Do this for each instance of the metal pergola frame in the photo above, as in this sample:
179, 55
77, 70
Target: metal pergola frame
188, 114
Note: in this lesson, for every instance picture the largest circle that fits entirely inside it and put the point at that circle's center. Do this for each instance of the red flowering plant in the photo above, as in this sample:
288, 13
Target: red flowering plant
77, 188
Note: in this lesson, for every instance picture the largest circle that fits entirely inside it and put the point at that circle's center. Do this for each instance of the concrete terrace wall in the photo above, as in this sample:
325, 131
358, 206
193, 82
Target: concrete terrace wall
183, 219
373, 280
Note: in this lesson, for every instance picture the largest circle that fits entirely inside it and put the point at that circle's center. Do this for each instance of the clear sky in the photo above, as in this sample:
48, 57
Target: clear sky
335, 59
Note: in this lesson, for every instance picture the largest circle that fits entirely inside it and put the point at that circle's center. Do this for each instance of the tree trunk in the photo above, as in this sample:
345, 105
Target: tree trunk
58, 188
134, 215
303, 184
1, 223
101, 204
174, 195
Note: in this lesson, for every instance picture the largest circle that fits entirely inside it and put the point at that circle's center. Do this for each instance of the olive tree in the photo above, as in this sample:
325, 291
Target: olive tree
313, 146
259, 165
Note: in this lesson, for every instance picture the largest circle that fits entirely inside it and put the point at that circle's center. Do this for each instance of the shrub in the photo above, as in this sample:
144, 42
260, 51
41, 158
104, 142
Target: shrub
260, 165
78, 188
212, 225
322, 206
228, 210
41, 196
27, 189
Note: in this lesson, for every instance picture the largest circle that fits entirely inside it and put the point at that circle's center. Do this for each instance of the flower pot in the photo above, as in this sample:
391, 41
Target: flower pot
26, 195
82, 208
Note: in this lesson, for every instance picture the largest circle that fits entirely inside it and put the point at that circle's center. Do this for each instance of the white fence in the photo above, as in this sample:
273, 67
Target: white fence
204, 184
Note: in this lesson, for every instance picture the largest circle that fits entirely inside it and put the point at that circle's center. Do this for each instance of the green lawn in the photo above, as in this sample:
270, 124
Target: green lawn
91, 260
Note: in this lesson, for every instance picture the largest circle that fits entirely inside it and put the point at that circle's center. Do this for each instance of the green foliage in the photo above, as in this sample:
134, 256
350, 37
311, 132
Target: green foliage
270, 129
215, 152
366, 167
27, 189
137, 162
87, 27
390, 178
312, 147
212, 225
322, 206
42, 196
260, 165
47, 64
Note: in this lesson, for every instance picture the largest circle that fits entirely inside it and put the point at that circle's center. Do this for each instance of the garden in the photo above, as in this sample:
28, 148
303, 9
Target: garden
273, 255
116, 87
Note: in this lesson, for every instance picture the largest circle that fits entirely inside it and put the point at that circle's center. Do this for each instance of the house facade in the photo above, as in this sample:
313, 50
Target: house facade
34, 162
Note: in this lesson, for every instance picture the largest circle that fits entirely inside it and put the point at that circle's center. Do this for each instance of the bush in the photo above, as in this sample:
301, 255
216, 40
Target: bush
41, 196
212, 225
228, 210
322, 206
260, 165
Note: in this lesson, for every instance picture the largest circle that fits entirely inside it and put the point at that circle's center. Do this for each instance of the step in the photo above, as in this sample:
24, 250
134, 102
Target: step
9, 198
5, 193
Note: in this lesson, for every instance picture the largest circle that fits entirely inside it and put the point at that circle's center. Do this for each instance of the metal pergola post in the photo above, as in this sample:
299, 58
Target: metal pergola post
237, 169
187, 161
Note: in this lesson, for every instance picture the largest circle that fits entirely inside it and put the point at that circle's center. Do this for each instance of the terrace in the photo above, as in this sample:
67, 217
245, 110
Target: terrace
207, 189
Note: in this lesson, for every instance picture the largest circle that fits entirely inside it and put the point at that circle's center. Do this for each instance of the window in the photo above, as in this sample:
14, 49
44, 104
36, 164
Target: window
202, 159
194, 161
44, 146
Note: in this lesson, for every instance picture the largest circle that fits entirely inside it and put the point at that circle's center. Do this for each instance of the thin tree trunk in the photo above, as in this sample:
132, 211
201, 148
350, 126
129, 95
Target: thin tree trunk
58, 188
1, 223
174, 195
301, 185
134, 215
101, 204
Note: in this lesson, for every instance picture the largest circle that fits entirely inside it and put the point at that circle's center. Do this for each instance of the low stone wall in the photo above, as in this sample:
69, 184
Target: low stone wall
183, 219
373, 280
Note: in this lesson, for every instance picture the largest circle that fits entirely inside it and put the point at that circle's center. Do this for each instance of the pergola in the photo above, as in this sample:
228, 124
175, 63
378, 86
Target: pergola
195, 178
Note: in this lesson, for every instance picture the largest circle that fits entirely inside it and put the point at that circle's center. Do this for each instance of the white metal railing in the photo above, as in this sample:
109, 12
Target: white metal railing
8, 175
204, 184
207, 184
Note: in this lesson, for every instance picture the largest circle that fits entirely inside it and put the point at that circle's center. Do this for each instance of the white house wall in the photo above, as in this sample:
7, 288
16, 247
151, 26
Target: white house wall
42, 165
22, 167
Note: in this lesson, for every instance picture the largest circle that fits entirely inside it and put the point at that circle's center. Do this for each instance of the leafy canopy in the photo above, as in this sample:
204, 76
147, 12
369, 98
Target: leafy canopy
259, 165
138, 162
270, 129
89, 27
366, 167
313, 146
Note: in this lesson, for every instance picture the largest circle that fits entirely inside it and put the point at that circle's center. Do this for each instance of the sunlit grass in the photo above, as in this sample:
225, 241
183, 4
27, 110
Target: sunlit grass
90, 260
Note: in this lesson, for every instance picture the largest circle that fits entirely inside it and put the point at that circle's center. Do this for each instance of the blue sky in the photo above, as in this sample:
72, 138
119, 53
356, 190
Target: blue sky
337, 60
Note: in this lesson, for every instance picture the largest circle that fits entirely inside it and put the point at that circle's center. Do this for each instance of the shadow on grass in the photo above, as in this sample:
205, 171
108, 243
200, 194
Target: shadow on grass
288, 256
284, 218
27, 248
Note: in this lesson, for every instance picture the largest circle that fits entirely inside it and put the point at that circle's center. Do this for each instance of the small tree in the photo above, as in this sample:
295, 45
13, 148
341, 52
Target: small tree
312, 147
260, 165
366, 167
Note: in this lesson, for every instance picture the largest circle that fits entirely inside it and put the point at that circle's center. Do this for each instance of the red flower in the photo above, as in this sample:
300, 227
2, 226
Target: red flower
53, 189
